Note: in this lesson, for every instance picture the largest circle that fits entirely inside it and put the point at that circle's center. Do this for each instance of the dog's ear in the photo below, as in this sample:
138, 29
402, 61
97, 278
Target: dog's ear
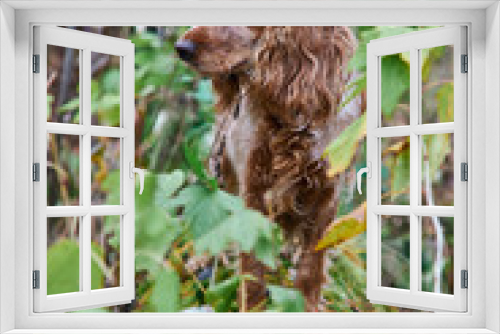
302, 70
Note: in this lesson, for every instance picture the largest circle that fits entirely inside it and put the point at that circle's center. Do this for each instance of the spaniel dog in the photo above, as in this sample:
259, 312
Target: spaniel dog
278, 94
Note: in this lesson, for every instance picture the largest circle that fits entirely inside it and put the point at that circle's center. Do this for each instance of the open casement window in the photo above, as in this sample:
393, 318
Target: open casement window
87, 144
417, 143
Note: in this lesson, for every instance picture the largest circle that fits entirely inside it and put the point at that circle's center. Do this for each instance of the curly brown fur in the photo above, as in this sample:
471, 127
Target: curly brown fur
287, 84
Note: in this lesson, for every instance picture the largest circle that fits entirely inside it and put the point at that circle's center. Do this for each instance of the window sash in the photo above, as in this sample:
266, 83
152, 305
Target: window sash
414, 298
85, 43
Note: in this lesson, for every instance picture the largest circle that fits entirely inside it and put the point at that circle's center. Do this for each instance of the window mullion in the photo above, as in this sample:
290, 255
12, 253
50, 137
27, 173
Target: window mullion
414, 170
85, 187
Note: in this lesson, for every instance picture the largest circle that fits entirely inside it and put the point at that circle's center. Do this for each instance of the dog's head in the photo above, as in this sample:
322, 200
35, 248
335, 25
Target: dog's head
223, 54
214, 51
298, 72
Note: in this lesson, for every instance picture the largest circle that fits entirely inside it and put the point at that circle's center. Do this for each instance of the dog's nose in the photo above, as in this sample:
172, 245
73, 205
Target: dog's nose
185, 49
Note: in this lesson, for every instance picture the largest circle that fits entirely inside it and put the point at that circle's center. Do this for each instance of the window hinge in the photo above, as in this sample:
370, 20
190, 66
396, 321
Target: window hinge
36, 63
465, 64
36, 279
36, 172
465, 279
464, 171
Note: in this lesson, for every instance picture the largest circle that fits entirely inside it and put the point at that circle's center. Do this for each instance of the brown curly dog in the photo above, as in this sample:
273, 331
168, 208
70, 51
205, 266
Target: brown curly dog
278, 90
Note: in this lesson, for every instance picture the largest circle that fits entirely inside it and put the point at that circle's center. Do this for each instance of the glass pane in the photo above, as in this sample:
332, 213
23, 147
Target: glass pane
437, 254
63, 169
395, 169
395, 249
63, 255
437, 84
63, 84
437, 169
105, 171
395, 89
105, 89
105, 252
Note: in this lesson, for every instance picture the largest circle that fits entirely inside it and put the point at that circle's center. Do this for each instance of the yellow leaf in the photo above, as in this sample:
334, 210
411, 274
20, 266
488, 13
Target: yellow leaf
344, 228
343, 149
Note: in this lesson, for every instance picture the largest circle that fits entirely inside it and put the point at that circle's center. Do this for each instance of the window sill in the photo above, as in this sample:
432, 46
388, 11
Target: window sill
248, 331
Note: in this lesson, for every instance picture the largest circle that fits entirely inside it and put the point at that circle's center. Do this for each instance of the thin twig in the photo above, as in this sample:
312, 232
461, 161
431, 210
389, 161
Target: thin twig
438, 228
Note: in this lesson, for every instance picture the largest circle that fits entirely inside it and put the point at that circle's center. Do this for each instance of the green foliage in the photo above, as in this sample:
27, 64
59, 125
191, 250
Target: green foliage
285, 300
223, 295
218, 219
395, 81
155, 229
165, 296
63, 268
343, 149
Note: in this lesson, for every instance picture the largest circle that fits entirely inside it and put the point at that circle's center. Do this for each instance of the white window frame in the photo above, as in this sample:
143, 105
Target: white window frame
413, 43
483, 102
85, 43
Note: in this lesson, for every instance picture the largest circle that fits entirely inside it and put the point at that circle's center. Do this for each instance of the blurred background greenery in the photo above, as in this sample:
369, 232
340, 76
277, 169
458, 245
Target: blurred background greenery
188, 232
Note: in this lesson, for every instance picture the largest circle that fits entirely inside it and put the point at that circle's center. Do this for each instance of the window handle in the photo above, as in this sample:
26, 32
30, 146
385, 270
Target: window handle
140, 172
368, 171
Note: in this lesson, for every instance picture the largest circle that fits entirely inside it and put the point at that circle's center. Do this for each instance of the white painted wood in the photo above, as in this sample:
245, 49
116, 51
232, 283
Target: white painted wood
77, 129
415, 193
253, 331
418, 129
86, 43
492, 161
470, 322
419, 210
7, 167
413, 42
250, 4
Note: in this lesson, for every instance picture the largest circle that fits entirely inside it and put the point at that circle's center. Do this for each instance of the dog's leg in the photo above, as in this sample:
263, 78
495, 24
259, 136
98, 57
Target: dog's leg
253, 186
253, 291
310, 276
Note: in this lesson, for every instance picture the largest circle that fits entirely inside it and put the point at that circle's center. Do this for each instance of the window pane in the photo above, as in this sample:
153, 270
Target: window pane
437, 84
395, 251
63, 169
63, 84
395, 89
437, 169
105, 252
63, 255
105, 89
105, 171
395, 178
437, 254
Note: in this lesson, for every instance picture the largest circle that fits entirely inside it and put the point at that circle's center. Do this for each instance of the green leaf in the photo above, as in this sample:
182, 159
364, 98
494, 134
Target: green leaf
286, 299
167, 185
110, 82
217, 219
155, 229
165, 296
400, 177
219, 294
50, 100
191, 153
395, 81
437, 147
445, 97
204, 93
266, 251
63, 267
341, 152
70, 105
